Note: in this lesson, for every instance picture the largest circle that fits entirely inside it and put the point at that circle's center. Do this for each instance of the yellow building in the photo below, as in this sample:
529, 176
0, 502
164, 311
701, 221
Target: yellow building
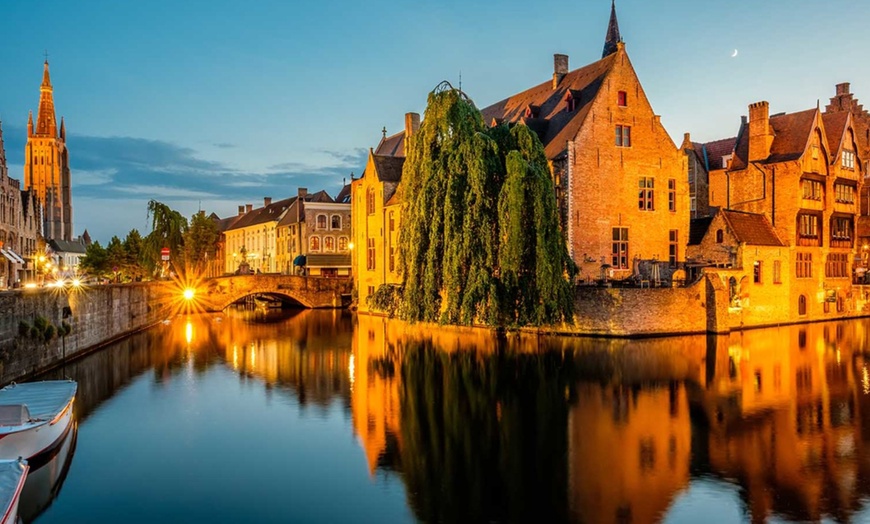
376, 214
317, 229
46, 165
253, 236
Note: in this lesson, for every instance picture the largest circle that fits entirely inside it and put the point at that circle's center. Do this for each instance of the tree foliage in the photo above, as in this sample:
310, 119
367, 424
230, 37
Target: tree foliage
200, 241
480, 240
167, 230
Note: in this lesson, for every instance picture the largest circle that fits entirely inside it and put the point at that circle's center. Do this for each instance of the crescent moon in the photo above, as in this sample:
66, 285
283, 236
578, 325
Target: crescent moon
734, 54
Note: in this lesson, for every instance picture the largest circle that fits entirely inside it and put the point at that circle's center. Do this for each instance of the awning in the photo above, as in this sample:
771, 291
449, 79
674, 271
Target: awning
299, 260
11, 255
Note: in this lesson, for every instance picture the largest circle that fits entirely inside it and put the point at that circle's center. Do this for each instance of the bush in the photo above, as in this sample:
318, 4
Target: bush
48, 334
65, 329
35, 332
387, 298
23, 329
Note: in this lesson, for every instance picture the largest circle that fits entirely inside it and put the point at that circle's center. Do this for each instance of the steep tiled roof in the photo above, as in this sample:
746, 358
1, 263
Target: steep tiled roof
791, 133
261, 215
392, 145
714, 151
559, 125
751, 228
835, 126
225, 223
67, 246
389, 168
698, 229
344, 195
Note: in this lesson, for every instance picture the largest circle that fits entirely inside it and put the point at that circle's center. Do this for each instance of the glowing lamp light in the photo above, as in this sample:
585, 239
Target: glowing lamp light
188, 294
350, 245
30, 285
76, 282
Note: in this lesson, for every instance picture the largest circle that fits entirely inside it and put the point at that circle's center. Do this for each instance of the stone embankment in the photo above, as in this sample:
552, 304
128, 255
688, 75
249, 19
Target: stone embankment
34, 323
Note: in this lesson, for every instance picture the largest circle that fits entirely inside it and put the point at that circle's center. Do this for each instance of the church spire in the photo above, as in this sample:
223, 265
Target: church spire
46, 124
612, 37
29, 124
62, 130
2, 149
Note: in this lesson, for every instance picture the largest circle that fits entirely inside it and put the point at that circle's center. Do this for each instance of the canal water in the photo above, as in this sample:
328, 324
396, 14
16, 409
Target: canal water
322, 416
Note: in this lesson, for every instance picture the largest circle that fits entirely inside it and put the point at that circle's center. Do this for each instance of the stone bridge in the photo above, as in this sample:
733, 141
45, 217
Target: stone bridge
311, 292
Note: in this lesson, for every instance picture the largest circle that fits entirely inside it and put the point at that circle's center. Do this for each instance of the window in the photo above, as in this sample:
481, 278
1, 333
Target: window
849, 159
314, 244
621, 99
620, 248
815, 149
623, 136
370, 201
804, 265
841, 232
342, 243
321, 221
392, 258
808, 230
812, 189
370, 253
673, 247
844, 194
756, 272
672, 194
777, 272
720, 236
837, 265
645, 194
329, 244
392, 221
336, 222
802, 307
693, 204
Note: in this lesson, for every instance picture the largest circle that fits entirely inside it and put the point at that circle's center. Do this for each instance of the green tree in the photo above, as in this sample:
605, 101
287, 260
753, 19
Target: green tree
200, 241
167, 230
116, 257
136, 265
476, 198
96, 261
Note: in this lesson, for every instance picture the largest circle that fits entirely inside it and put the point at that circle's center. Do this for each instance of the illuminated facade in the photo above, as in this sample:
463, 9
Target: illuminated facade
253, 236
317, 228
46, 165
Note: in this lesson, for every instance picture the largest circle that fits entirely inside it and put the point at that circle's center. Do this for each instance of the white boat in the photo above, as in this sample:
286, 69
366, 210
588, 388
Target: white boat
46, 476
13, 473
34, 417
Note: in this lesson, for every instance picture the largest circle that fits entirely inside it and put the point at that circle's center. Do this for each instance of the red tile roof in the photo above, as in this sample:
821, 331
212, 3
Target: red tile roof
835, 127
751, 228
715, 150
392, 145
554, 124
261, 215
791, 134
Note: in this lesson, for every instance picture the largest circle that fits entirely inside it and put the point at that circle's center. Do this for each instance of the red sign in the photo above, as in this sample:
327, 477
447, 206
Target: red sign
164, 253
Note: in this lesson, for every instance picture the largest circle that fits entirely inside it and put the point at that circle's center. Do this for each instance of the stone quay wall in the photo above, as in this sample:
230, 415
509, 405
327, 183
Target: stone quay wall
97, 315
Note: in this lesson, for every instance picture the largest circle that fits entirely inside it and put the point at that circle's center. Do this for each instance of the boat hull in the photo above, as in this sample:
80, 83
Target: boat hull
37, 439
10, 512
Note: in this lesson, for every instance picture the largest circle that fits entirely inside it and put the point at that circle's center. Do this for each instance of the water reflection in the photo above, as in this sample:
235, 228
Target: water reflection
480, 427
46, 477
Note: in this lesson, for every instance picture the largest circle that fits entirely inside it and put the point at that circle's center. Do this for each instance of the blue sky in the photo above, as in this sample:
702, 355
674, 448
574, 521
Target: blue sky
218, 103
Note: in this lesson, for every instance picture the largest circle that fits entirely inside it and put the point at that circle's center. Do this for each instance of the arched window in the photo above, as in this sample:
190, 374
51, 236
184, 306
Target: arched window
329, 244
336, 222
314, 244
342, 243
802, 305
720, 236
321, 221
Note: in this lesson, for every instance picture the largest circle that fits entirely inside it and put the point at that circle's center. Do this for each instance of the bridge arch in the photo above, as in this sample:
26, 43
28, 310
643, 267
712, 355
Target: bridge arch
311, 292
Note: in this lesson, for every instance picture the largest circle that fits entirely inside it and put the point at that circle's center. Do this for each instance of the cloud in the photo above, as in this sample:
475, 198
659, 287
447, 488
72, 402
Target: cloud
85, 177
164, 192
224, 145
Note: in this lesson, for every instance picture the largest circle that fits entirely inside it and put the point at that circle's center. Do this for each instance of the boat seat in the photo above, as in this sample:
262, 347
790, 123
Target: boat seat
14, 415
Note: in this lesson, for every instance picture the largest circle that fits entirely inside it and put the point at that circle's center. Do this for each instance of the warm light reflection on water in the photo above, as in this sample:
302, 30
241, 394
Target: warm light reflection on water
463, 425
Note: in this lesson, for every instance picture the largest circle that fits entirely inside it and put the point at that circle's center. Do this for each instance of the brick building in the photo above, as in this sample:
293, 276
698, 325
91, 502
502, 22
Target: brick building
20, 226
316, 227
802, 171
376, 214
702, 158
251, 237
620, 180
46, 165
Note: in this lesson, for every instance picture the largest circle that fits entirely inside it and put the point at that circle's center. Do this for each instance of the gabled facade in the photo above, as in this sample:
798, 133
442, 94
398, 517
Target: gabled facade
621, 182
252, 237
803, 172
46, 165
702, 159
315, 229
376, 214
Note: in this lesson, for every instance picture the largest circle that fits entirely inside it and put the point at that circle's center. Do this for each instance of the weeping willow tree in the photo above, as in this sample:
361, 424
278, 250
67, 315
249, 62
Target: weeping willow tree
168, 227
480, 240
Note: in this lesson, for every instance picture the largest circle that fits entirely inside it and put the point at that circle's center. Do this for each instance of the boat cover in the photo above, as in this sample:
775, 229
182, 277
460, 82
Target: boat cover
14, 415
10, 475
44, 400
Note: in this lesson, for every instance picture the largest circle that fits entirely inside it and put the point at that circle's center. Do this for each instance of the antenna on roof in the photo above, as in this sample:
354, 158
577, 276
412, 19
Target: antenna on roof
460, 79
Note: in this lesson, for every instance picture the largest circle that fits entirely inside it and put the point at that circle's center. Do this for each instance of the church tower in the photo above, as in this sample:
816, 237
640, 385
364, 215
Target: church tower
46, 165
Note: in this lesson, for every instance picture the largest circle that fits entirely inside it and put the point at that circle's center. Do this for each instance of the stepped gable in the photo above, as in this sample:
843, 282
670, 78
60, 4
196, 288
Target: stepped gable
545, 109
751, 228
791, 133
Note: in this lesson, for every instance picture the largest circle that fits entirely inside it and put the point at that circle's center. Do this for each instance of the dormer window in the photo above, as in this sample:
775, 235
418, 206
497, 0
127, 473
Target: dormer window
621, 99
532, 111
849, 159
572, 100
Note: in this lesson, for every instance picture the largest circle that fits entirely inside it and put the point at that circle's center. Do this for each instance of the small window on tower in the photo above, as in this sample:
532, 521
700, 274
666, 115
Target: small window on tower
621, 98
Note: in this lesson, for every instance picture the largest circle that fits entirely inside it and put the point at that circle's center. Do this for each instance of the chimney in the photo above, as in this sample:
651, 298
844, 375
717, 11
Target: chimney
560, 68
412, 123
687, 142
760, 138
843, 89
241, 210
302, 192
248, 208
267, 201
